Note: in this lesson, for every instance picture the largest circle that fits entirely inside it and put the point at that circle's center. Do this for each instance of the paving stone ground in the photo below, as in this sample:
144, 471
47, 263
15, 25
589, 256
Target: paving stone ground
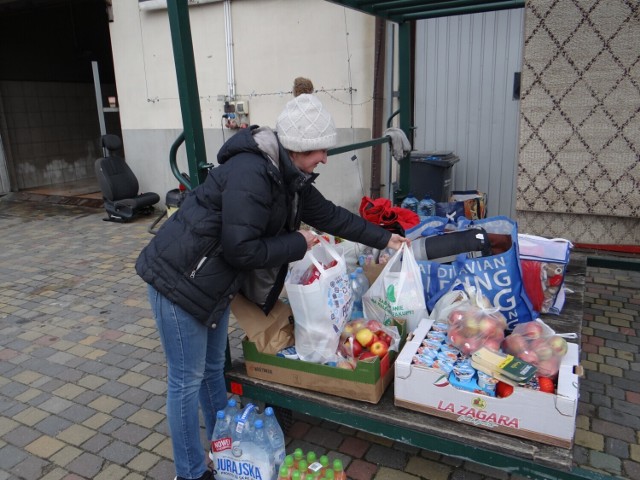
82, 370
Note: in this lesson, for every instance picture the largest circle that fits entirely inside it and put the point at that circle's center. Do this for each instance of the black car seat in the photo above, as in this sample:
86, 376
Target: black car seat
119, 185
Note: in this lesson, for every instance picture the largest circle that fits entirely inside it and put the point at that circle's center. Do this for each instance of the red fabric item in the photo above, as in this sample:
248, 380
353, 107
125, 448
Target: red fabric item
381, 212
532, 280
372, 210
406, 218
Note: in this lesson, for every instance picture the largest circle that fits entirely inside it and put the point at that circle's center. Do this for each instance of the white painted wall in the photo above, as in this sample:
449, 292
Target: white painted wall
274, 41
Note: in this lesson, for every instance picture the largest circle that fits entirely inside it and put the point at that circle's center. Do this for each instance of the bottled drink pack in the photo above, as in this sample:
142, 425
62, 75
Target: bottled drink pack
241, 449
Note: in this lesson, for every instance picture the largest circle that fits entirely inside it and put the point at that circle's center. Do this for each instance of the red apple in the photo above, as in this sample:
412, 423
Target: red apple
344, 364
352, 348
490, 327
379, 348
471, 326
367, 355
352, 327
469, 345
528, 356
347, 332
532, 330
542, 349
514, 344
373, 325
456, 316
364, 336
492, 344
385, 337
558, 345
549, 368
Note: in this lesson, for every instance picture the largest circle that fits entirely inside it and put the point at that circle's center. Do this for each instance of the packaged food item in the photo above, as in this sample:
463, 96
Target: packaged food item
506, 368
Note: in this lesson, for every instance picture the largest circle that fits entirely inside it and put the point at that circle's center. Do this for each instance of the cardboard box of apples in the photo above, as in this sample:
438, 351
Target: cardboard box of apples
364, 379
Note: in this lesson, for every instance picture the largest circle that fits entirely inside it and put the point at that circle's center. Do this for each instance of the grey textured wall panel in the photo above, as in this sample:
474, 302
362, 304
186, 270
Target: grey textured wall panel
464, 99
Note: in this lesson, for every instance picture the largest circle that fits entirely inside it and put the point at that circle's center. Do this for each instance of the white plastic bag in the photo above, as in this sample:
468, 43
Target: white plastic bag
397, 292
321, 308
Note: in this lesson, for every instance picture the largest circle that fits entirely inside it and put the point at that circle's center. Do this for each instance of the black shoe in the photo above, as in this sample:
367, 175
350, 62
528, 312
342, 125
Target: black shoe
208, 475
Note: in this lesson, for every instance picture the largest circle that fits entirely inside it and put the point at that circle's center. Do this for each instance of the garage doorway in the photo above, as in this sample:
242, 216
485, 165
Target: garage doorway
49, 126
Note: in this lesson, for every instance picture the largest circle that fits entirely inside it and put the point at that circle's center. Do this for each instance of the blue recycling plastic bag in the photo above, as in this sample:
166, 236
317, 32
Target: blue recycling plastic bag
499, 275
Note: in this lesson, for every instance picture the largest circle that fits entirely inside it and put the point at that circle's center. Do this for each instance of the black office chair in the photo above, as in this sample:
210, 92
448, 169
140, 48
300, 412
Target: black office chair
119, 185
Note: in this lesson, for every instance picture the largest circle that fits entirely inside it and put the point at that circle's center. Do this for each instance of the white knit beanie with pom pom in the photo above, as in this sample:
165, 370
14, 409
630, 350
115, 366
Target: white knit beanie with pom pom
305, 125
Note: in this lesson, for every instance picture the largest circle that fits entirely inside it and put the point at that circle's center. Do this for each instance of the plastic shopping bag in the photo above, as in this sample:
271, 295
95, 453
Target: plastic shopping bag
500, 274
321, 302
397, 292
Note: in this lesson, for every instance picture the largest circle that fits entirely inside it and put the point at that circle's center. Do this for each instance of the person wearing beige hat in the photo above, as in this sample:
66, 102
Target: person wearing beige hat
237, 232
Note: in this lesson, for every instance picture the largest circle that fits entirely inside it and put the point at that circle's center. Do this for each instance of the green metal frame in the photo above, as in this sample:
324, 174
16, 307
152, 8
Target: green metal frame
513, 465
188, 91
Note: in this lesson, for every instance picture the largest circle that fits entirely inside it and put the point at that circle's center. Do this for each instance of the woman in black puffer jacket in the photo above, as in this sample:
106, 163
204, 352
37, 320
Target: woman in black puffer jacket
238, 231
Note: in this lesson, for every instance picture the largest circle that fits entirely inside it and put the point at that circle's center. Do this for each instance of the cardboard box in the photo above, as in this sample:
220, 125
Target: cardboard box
367, 382
373, 271
534, 415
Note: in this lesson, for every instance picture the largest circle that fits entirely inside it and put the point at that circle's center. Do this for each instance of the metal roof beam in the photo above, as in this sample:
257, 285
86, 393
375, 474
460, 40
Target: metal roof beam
406, 10
462, 10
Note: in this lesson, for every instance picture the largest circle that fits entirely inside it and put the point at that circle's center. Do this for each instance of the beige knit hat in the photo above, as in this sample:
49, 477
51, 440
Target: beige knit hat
305, 125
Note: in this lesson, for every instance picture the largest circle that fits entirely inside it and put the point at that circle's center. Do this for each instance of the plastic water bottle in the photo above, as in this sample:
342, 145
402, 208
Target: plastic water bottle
410, 203
426, 208
275, 436
358, 292
231, 410
248, 417
221, 438
261, 440
362, 278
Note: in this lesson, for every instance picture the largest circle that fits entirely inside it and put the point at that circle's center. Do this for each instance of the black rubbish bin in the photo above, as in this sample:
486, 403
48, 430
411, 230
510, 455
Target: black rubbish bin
431, 174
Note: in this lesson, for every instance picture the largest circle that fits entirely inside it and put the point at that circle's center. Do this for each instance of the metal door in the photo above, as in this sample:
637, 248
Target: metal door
465, 72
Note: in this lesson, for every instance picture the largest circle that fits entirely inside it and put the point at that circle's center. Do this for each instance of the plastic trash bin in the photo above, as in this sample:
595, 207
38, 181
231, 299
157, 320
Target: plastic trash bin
431, 174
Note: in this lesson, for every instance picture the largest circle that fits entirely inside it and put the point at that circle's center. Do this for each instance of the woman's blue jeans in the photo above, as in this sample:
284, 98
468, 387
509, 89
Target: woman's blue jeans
195, 371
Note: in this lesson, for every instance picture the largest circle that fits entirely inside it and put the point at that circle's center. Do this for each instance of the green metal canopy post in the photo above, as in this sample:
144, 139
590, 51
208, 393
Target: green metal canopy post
188, 89
405, 98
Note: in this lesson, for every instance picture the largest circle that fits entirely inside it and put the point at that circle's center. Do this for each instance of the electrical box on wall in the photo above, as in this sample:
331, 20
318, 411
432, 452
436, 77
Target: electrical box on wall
242, 108
237, 114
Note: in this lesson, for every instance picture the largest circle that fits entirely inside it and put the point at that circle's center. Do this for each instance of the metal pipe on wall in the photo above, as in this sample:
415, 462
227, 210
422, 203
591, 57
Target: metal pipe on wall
228, 35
